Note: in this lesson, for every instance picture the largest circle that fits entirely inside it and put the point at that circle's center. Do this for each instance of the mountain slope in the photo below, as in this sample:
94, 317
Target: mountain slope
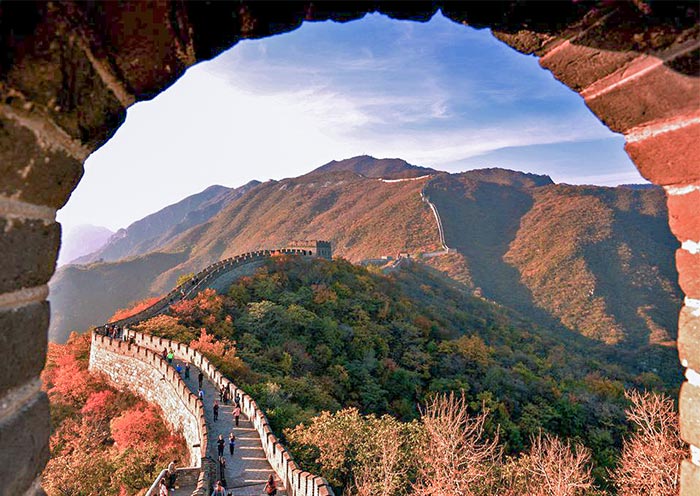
156, 230
592, 260
82, 240
595, 260
387, 168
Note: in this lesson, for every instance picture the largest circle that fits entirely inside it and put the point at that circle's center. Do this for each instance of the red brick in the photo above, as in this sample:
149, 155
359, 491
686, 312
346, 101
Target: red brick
688, 266
690, 479
579, 66
689, 407
684, 215
689, 338
660, 93
669, 158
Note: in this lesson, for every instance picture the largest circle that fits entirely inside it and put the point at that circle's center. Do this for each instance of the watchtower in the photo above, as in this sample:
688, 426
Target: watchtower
317, 248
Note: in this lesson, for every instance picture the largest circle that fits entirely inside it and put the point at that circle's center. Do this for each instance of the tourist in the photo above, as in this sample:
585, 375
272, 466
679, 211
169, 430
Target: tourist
236, 414
178, 368
221, 394
237, 399
187, 371
163, 488
165, 353
172, 475
201, 394
271, 486
200, 378
218, 490
170, 357
216, 411
231, 443
220, 445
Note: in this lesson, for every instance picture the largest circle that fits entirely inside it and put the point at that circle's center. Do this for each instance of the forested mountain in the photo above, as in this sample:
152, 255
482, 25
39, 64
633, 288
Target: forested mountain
156, 230
316, 335
592, 260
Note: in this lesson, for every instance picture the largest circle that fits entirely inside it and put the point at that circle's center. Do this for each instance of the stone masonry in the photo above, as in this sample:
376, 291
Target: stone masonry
69, 70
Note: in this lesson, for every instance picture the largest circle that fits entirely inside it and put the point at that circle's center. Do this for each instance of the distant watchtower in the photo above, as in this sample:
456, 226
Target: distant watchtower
317, 248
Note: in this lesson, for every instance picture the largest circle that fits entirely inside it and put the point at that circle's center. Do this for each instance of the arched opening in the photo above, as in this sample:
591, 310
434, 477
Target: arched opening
70, 70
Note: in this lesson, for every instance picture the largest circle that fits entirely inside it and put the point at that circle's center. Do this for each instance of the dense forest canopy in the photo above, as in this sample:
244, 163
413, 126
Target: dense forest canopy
306, 336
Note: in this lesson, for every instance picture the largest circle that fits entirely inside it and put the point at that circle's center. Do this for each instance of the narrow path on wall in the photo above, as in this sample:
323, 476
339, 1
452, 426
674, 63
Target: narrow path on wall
248, 469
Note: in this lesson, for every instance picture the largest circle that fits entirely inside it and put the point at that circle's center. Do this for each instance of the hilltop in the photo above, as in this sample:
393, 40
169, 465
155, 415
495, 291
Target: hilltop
596, 261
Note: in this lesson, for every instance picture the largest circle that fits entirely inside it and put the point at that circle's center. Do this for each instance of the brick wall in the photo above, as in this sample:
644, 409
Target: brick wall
297, 481
146, 374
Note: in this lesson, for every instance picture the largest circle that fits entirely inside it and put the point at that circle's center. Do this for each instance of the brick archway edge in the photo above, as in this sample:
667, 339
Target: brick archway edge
69, 70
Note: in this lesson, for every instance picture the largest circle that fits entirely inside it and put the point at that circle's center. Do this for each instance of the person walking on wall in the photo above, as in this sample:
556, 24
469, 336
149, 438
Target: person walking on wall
218, 490
172, 475
231, 443
187, 371
170, 356
216, 411
163, 488
271, 486
165, 354
236, 414
220, 445
200, 378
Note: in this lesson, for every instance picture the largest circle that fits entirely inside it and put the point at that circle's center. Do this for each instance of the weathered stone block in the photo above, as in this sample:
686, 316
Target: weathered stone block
33, 172
689, 338
24, 445
29, 249
669, 158
23, 338
688, 265
638, 95
689, 407
579, 66
683, 215
52, 68
690, 479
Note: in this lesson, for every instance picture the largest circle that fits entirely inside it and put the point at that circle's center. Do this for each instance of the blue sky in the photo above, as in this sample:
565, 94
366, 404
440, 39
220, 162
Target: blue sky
437, 94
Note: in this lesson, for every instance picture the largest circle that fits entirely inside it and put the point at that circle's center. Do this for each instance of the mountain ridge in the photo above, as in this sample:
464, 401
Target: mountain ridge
543, 249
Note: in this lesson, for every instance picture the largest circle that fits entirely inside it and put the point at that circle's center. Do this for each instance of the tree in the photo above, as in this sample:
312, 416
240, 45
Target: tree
651, 457
455, 456
556, 468
137, 307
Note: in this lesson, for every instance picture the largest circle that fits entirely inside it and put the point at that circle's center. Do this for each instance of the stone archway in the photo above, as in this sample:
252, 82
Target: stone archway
68, 72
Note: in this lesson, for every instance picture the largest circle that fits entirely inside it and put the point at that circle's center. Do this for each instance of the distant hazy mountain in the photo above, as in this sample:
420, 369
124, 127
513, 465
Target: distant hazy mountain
156, 230
592, 260
81, 240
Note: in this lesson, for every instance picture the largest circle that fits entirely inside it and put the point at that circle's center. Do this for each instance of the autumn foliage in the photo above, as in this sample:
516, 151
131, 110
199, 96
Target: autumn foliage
137, 307
104, 441
651, 456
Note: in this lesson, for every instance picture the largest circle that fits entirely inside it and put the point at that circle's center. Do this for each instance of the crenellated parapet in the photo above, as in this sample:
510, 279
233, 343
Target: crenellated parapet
297, 481
221, 274
145, 373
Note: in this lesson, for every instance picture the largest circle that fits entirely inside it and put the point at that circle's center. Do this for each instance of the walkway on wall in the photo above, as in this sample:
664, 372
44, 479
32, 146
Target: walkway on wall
248, 469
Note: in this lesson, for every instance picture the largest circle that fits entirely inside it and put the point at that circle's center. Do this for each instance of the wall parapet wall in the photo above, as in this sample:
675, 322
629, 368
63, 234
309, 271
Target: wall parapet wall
205, 277
145, 373
297, 481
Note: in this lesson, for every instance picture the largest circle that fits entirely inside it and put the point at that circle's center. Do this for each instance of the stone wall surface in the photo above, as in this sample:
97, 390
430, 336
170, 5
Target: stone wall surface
146, 374
69, 70
297, 481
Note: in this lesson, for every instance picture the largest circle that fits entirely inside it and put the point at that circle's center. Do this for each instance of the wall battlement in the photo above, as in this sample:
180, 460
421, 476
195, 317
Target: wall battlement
145, 373
297, 481
215, 275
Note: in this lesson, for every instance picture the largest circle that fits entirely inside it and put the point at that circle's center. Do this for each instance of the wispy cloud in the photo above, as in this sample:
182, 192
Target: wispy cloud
436, 94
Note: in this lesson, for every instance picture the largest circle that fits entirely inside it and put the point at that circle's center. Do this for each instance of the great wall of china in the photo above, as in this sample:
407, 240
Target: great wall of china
135, 362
